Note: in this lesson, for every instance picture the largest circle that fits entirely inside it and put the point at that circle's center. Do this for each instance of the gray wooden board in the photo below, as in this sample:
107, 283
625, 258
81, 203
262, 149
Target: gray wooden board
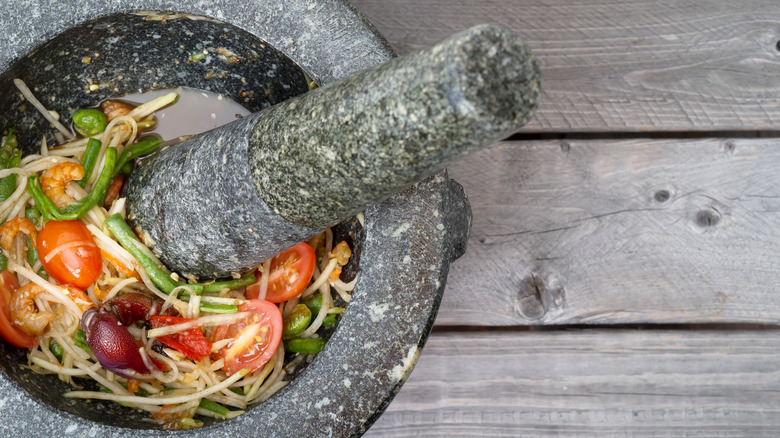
620, 231
623, 65
591, 383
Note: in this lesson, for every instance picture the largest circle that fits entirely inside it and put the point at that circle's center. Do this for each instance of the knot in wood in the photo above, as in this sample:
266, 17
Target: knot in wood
537, 295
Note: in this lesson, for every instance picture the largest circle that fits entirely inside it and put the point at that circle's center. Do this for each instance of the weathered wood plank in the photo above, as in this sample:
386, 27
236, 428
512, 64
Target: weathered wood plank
591, 383
623, 65
621, 231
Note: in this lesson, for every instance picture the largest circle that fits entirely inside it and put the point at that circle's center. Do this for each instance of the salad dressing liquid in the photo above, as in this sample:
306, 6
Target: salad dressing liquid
195, 112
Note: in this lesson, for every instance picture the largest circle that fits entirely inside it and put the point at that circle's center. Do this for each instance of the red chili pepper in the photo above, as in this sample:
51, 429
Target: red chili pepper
190, 342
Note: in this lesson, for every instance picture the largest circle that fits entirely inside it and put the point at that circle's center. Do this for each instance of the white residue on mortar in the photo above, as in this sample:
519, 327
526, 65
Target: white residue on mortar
377, 311
401, 372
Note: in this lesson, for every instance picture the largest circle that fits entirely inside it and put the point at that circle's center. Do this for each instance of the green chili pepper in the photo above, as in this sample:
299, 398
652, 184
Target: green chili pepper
56, 350
83, 205
305, 345
314, 303
3, 261
162, 279
90, 159
139, 149
89, 121
297, 321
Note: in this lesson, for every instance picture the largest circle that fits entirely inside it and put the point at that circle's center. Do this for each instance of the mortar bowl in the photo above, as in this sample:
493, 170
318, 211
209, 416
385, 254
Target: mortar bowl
77, 54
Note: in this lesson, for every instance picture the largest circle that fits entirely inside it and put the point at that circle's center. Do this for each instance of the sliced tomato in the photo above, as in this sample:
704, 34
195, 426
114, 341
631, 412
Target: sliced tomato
69, 254
255, 338
8, 284
289, 274
190, 342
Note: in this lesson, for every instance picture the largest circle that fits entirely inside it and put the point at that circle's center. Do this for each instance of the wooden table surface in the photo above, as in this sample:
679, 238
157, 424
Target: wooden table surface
622, 271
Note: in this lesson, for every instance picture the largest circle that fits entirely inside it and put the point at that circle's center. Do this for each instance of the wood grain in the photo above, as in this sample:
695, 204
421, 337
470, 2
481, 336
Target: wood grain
591, 383
620, 231
623, 65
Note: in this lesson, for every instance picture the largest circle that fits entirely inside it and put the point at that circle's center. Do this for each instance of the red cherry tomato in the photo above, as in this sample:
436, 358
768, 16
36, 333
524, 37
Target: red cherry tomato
255, 338
8, 284
69, 254
290, 273
190, 342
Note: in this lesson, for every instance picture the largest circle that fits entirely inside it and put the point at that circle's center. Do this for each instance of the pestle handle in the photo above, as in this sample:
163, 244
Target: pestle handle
357, 141
226, 200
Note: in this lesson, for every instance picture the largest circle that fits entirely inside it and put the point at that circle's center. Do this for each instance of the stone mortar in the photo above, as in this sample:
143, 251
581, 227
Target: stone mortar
406, 246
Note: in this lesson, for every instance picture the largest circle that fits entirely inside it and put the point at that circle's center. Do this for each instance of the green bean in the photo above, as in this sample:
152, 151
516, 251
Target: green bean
314, 303
297, 321
216, 286
89, 121
10, 157
32, 252
218, 308
10, 142
32, 259
213, 407
161, 278
305, 345
83, 205
90, 159
127, 238
42, 202
139, 149
57, 350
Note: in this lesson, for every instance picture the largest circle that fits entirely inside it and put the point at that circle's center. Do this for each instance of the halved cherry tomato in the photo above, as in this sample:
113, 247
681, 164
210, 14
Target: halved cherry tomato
290, 273
8, 284
190, 342
69, 254
255, 339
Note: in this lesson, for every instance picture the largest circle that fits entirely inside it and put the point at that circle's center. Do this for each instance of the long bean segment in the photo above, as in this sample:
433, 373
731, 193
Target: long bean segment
10, 156
143, 147
83, 205
90, 159
160, 277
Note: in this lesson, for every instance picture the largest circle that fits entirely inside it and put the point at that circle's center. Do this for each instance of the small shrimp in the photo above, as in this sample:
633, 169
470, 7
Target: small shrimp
54, 180
25, 315
113, 109
10, 229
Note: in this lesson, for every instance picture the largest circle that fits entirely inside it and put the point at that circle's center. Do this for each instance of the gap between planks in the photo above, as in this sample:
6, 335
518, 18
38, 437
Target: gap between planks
622, 65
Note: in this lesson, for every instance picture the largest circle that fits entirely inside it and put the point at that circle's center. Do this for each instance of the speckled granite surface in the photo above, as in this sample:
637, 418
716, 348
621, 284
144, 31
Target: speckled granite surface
326, 155
408, 243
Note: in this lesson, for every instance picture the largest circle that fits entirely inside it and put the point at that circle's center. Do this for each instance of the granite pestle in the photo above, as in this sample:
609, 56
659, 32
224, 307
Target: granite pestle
222, 202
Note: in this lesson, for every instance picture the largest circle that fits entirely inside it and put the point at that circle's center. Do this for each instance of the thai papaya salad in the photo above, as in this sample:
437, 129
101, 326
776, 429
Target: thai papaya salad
95, 307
